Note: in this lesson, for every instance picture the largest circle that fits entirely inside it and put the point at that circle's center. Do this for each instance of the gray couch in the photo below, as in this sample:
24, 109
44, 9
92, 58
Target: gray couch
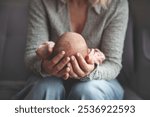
135, 75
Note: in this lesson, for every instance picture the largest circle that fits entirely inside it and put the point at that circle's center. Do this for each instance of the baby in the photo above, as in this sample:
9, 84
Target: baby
71, 43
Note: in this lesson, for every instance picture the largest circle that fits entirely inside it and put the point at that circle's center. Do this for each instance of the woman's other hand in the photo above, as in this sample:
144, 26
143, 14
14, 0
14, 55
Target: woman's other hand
79, 68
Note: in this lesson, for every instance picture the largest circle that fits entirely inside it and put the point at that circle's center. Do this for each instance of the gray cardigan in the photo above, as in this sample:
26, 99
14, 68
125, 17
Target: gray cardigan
104, 29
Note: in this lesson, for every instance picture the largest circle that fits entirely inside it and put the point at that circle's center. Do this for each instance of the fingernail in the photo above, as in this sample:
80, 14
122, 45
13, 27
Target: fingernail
78, 54
68, 59
66, 76
72, 58
67, 69
63, 52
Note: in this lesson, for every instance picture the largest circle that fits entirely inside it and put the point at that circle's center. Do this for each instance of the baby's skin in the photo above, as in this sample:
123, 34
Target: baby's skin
71, 43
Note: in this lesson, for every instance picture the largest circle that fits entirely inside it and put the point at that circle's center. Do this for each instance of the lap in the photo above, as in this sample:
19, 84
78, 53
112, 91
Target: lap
109, 89
38, 84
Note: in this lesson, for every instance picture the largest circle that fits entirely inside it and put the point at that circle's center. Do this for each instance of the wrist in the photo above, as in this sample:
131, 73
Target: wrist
44, 71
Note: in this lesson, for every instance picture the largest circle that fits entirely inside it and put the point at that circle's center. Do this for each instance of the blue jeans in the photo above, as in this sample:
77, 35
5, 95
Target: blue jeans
53, 88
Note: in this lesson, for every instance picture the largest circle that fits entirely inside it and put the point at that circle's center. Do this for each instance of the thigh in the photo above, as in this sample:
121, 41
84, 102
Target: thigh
97, 89
35, 83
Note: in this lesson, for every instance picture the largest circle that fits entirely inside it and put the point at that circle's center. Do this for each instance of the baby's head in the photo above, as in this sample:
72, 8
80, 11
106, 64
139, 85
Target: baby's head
71, 43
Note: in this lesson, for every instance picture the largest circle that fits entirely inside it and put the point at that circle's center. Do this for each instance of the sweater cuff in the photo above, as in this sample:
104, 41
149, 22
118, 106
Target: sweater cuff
39, 69
91, 75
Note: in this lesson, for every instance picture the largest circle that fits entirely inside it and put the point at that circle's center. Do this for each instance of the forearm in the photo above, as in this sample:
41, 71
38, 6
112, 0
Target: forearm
33, 63
106, 71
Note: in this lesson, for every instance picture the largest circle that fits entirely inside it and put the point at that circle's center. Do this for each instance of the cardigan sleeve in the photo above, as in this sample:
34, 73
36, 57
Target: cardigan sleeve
112, 43
37, 34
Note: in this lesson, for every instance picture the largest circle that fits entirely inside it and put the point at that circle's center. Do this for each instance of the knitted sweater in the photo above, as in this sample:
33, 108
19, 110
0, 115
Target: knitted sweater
104, 29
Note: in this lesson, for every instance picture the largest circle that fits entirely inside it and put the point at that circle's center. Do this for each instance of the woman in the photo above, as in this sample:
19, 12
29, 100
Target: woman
102, 23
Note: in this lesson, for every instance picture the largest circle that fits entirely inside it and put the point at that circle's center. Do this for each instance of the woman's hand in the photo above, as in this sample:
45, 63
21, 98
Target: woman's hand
57, 66
79, 68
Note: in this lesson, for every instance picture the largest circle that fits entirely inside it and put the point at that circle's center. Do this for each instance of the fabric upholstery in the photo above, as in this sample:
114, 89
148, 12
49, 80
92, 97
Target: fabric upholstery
136, 57
13, 18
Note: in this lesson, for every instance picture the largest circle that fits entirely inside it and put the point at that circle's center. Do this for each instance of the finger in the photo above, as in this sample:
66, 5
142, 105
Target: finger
71, 73
89, 59
76, 67
66, 76
58, 67
56, 59
64, 71
82, 63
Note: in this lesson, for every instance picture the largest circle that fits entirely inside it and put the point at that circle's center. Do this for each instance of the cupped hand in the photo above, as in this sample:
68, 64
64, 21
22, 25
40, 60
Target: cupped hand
57, 66
79, 68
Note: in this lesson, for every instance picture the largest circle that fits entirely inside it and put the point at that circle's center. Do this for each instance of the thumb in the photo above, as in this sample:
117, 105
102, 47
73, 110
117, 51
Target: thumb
89, 59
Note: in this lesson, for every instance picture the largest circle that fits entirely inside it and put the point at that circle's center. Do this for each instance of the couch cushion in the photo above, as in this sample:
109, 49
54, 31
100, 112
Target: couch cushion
129, 94
136, 57
9, 88
142, 47
13, 29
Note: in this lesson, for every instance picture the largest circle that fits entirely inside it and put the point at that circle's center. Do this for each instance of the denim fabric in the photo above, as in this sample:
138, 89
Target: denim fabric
52, 88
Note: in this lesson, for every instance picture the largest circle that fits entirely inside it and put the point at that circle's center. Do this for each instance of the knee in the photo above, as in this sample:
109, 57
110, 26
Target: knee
96, 90
50, 82
49, 88
85, 91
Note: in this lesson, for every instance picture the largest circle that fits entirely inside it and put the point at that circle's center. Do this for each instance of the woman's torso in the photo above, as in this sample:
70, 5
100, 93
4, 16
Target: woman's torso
59, 21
